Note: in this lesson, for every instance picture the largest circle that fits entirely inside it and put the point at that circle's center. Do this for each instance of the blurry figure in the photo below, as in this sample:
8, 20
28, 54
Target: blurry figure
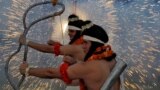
92, 72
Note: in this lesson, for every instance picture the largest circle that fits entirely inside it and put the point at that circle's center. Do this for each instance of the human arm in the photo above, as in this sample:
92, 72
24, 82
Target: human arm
40, 47
69, 59
63, 50
78, 71
51, 42
39, 72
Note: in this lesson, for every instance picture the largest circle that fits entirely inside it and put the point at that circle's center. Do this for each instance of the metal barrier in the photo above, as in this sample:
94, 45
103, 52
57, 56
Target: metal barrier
116, 72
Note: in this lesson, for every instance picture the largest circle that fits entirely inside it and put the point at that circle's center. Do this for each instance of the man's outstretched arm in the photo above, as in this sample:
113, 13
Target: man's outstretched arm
76, 71
56, 49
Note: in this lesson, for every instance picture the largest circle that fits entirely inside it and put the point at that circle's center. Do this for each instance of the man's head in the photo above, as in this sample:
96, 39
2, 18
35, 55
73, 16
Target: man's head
74, 27
94, 36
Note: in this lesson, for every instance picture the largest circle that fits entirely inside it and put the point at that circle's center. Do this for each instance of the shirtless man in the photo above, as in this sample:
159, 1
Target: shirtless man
74, 32
92, 72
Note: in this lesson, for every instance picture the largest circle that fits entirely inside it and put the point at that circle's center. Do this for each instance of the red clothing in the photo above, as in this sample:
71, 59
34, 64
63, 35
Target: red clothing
56, 49
65, 65
64, 74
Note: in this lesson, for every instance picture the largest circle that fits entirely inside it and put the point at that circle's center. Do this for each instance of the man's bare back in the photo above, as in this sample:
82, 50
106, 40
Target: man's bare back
97, 73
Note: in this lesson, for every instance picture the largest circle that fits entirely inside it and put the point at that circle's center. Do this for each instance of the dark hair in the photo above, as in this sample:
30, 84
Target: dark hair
92, 49
87, 22
72, 16
78, 35
96, 32
77, 24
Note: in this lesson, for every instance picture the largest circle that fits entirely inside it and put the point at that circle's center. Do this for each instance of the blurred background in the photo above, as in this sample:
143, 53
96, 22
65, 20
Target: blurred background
133, 27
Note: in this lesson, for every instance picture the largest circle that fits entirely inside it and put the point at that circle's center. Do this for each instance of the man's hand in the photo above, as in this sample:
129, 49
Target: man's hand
22, 40
22, 68
54, 2
69, 59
